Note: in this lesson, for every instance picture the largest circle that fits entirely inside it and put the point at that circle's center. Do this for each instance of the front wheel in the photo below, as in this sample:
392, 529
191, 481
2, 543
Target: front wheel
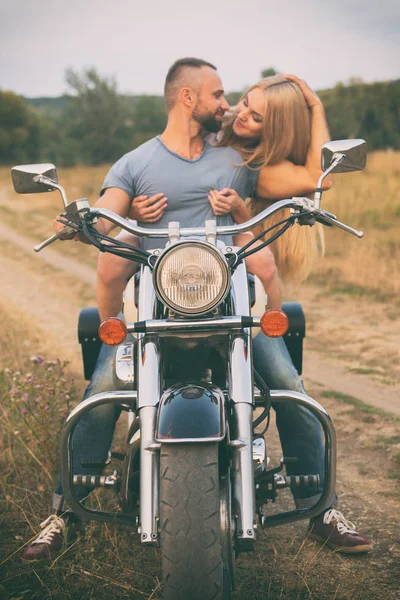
190, 523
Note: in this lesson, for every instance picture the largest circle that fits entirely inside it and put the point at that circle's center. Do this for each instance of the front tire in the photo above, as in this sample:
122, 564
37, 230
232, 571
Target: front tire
190, 527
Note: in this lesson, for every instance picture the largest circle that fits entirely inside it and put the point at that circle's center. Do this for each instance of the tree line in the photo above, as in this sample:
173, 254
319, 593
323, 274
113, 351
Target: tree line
94, 124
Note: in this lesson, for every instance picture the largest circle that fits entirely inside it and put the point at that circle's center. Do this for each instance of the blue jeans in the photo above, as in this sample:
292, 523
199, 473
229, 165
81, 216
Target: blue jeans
299, 430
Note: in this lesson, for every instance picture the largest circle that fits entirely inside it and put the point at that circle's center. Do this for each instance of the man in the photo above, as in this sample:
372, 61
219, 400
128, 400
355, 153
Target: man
185, 168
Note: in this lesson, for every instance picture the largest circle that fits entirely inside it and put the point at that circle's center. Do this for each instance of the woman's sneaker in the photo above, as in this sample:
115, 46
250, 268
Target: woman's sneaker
334, 530
50, 540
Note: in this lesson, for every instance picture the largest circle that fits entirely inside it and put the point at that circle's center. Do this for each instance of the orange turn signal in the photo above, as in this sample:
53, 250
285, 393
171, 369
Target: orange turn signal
112, 331
274, 323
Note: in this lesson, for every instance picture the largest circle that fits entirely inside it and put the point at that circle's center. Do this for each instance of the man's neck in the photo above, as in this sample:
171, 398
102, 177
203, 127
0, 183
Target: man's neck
183, 137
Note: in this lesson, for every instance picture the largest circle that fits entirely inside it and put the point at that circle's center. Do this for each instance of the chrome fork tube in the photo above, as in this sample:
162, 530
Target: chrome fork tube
241, 395
148, 398
149, 384
242, 471
149, 476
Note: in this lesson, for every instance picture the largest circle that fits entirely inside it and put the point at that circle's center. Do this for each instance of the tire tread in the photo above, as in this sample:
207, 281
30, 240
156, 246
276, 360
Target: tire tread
190, 522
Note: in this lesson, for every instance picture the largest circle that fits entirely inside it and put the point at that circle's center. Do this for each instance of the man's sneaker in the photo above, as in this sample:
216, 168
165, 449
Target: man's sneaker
334, 530
49, 541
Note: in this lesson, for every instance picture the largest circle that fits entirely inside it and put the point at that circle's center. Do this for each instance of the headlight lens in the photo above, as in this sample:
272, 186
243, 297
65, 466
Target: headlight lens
191, 278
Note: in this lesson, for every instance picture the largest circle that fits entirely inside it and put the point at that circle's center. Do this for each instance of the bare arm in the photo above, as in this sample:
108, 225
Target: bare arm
285, 179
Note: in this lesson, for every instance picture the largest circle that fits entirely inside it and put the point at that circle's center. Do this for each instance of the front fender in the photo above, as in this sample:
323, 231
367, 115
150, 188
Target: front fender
191, 413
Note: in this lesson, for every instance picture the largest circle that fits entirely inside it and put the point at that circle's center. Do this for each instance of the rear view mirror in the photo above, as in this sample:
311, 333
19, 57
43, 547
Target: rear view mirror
25, 178
354, 152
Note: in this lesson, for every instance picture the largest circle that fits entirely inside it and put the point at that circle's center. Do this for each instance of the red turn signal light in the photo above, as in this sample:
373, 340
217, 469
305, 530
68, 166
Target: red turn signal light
274, 323
112, 331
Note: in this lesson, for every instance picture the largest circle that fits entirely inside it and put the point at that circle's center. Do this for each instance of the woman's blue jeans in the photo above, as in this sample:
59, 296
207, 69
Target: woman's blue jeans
299, 430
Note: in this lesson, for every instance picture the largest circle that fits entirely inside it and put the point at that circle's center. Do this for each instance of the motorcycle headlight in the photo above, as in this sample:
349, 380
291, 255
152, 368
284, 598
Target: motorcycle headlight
191, 278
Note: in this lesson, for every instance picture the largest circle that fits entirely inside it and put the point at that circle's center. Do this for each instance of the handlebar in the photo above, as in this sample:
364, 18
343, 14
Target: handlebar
299, 203
80, 209
304, 203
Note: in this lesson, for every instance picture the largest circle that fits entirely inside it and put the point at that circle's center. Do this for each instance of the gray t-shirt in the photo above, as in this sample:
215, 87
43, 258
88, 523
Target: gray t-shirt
152, 168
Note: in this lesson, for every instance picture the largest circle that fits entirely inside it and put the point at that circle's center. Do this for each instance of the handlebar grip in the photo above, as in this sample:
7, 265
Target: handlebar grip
75, 211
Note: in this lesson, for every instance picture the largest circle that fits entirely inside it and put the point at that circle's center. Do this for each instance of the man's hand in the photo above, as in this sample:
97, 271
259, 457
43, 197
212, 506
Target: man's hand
225, 201
68, 234
148, 210
310, 96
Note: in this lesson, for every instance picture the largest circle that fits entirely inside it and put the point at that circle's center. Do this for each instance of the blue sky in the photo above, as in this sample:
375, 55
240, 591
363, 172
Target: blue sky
136, 42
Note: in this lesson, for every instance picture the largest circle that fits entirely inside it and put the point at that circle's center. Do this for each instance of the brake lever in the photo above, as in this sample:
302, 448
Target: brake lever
320, 218
53, 238
329, 219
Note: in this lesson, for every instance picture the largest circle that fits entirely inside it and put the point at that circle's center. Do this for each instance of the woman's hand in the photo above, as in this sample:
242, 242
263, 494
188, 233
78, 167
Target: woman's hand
310, 96
225, 201
148, 210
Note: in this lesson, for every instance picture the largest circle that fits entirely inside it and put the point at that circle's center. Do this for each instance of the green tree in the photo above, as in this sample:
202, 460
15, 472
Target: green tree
19, 130
269, 72
98, 120
150, 115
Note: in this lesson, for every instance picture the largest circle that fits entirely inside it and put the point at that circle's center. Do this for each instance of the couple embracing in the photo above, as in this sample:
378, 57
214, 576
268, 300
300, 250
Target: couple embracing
267, 149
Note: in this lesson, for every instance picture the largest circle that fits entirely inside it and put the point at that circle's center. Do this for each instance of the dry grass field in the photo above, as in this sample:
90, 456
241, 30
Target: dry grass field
356, 286
369, 201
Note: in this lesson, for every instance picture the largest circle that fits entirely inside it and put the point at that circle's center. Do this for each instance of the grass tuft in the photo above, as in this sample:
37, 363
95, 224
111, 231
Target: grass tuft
359, 404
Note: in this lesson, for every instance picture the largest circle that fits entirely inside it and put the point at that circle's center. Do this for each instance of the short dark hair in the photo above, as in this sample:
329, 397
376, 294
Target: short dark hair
174, 73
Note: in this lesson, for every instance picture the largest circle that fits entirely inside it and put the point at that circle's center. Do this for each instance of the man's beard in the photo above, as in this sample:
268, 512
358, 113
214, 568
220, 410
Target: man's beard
211, 124
207, 120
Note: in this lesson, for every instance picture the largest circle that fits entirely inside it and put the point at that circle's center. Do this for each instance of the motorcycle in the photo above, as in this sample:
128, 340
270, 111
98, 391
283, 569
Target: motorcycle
195, 474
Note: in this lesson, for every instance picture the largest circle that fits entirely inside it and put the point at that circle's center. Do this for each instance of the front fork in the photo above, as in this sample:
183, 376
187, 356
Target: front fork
241, 443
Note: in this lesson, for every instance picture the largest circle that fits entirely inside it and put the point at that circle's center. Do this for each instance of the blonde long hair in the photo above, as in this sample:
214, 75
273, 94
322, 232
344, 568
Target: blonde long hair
285, 135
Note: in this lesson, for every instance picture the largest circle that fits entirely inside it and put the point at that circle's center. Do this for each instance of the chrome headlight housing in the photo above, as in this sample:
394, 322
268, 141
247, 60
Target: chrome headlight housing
191, 277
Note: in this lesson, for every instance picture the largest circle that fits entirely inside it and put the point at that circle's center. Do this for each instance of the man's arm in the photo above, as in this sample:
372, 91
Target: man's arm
286, 179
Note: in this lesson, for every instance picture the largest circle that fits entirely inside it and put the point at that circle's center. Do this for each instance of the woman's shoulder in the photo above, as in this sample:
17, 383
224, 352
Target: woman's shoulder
213, 138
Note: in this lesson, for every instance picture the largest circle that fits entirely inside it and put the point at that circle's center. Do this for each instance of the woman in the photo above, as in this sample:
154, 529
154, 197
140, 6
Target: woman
279, 126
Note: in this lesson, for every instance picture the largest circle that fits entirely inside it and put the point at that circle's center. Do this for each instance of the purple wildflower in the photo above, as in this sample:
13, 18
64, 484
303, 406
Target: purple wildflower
37, 359
24, 411
25, 396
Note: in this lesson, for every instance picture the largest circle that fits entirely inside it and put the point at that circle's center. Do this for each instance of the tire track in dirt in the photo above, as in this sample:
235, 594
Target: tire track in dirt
22, 289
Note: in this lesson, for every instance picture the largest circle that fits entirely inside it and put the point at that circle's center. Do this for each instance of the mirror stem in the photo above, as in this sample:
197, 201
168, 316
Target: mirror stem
338, 158
47, 181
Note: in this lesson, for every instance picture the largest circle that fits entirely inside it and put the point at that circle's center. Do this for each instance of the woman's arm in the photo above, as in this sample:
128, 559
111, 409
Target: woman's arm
285, 179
